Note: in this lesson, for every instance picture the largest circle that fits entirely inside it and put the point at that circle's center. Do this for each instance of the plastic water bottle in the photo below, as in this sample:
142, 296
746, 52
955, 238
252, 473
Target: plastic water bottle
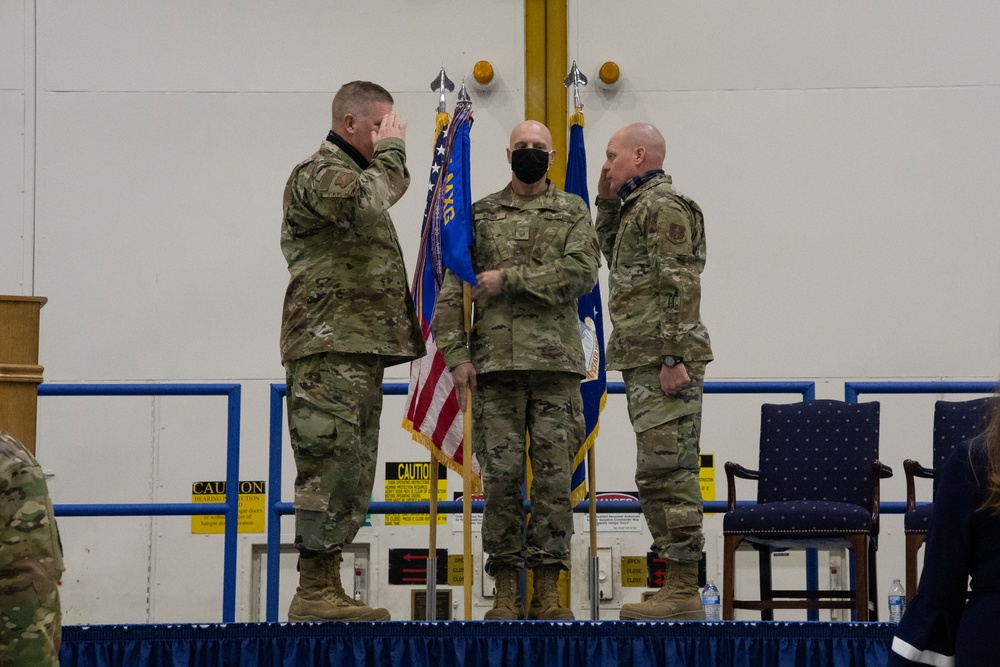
897, 602
710, 600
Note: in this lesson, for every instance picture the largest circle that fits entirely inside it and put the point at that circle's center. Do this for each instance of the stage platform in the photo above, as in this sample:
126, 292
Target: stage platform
480, 644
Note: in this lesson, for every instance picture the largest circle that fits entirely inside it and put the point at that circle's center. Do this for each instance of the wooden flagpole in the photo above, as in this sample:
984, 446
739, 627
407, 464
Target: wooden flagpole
595, 574
467, 469
440, 84
431, 612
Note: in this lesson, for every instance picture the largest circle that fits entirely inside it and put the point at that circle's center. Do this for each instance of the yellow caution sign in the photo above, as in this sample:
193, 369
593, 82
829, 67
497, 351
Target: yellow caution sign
410, 481
706, 476
251, 513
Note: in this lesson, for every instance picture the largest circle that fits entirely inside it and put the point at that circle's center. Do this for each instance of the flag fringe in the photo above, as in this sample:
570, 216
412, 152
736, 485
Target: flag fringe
579, 494
441, 120
576, 119
439, 456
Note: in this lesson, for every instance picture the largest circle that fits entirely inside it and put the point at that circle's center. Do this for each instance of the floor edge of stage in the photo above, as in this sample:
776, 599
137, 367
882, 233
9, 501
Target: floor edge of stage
400, 643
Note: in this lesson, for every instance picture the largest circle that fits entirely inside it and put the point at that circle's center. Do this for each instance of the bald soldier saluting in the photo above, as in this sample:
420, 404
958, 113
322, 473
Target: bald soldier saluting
535, 254
654, 240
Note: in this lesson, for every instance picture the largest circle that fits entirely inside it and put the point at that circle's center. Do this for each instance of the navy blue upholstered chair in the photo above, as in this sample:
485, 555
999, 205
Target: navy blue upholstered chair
954, 423
817, 487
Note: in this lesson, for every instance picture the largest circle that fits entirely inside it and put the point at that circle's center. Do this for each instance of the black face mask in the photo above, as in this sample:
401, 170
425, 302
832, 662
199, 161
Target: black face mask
529, 164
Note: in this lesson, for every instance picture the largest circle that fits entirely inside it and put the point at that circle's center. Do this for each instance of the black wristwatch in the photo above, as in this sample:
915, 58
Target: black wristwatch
671, 361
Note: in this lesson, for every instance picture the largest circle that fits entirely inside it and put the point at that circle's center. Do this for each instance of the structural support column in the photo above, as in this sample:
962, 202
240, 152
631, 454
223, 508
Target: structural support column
20, 373
546, 64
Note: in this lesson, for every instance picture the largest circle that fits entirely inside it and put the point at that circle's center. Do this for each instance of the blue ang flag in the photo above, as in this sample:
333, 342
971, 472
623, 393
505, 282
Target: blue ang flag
453, 211
594, 386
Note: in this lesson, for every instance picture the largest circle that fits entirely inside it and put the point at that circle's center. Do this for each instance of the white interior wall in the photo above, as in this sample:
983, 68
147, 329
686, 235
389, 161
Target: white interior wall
165, 135
843, 156
13, 168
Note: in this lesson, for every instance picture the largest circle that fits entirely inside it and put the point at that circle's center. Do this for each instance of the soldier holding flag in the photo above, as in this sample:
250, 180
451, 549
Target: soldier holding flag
535, 253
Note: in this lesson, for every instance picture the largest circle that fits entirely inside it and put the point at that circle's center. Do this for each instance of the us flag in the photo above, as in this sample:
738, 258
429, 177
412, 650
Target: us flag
433, 417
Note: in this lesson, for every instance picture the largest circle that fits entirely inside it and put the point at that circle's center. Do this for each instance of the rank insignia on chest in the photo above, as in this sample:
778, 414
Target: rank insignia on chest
677, 233
522, 232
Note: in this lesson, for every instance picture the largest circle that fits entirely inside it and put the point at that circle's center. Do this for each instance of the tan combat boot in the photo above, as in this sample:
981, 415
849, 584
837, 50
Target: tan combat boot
545, 604
338, 587
506, 605
678, 600
320, 595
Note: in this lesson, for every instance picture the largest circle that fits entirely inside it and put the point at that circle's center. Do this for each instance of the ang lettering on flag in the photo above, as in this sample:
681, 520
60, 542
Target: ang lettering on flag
433, 417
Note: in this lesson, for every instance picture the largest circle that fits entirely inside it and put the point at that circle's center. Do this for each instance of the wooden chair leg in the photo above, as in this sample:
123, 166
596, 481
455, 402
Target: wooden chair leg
859, 547
730, 544
872, 582
913, 543
766, 585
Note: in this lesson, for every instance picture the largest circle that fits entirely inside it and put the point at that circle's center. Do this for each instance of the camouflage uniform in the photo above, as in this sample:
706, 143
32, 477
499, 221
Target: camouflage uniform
31, 562
347, 315
528, 355
655, 243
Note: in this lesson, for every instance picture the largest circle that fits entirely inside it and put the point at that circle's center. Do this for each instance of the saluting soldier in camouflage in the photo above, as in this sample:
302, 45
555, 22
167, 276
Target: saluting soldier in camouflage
654, 240
348, 314
535, 254
31, 562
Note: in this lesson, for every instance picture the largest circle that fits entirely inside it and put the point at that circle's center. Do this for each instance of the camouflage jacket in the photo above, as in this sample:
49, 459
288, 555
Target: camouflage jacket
549, 255
31, 561
348, 290
655, 245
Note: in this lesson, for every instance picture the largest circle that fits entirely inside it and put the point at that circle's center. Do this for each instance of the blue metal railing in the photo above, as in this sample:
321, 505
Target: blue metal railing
852, 390
230, 508
277, 508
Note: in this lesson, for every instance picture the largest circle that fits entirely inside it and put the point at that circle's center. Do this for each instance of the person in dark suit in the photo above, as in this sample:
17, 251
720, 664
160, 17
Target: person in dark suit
954, 619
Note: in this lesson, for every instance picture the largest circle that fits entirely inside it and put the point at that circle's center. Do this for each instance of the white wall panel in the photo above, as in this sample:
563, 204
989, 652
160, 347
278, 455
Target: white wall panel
849, 229
166, 134
107, 569
12, 52
273, 46
844, 155
158, 219
732, 45
13, 228
101, 450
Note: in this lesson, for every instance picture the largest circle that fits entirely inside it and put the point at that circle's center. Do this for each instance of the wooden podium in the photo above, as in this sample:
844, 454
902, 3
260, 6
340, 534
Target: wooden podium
20, 373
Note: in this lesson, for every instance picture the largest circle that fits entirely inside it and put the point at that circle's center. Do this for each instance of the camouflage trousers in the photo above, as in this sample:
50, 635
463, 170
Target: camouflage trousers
30, 616
548, 407
334, 407
31, 562
667, 433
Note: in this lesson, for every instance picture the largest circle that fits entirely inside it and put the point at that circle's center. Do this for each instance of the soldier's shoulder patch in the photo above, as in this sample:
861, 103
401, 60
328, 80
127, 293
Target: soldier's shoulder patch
677, 233
335, 178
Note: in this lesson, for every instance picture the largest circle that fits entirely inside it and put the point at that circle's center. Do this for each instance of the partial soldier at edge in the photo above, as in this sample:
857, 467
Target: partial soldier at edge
31, 562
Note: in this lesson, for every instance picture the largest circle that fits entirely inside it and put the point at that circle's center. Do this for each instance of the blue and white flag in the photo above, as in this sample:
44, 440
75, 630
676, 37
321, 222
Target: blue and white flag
594, 387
